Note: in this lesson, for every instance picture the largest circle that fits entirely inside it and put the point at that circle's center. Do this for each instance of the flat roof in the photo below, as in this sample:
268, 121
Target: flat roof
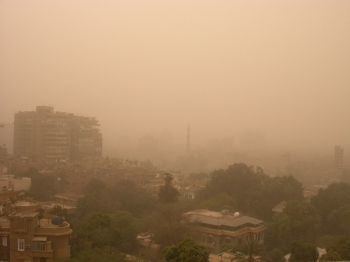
25, 214
214, 218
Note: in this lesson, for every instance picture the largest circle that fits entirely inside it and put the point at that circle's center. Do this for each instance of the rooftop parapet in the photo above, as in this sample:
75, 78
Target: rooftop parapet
46, 227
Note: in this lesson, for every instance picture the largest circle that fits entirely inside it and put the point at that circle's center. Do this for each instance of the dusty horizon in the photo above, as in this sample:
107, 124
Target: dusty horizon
277, 69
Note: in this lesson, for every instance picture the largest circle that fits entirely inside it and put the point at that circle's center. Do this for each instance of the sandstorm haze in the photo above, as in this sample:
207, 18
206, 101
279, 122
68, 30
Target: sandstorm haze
275, 70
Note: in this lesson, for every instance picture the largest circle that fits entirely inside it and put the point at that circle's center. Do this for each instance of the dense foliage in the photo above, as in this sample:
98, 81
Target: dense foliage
106, 221
168, 193
299, 221
333, 205
303, 252
110, 215
123, 195
186, 251
338, 251
99, 255
250, 190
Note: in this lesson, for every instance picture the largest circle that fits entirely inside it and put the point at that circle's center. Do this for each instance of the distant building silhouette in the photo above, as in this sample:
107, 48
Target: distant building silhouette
188, 140
46, 135
338, 157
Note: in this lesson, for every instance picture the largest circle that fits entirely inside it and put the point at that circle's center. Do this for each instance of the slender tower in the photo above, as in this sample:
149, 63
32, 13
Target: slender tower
188, 142
338, 157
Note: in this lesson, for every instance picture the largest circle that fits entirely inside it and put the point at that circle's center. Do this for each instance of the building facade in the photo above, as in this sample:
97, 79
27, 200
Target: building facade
46, 135
220, 231
38, 240
25, 236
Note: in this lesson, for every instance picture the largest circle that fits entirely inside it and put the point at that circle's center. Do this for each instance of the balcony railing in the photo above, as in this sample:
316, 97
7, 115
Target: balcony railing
38, 246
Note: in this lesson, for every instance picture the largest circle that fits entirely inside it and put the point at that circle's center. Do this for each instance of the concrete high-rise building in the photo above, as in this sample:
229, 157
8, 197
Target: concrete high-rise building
46, 135
338, 157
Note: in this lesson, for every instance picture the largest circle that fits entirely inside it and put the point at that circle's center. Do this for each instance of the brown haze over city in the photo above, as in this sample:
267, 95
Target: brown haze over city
275, 72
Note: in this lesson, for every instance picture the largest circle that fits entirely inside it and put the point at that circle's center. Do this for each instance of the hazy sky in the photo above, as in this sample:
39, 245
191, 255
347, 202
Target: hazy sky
278, 67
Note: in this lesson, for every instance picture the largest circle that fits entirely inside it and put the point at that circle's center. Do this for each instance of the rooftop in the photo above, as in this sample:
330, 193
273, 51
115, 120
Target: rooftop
24, 214
47, 223
25, 204
46, 227
214, 218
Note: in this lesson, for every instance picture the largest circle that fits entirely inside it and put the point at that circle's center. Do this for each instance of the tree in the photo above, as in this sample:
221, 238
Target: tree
303, 252
278, 233
330, 256
342, 248
42, 186
132, 198
218, 202
168, 193
338, 221
186, 251
334, 196
275, 255
304, 220
98, 255
333, 204
97, 199
123, 195
117, 230
299, 221
167, 226
251, 189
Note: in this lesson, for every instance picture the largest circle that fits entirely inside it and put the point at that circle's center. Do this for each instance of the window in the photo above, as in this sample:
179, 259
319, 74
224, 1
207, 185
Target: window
4, 241
20, 244
39, 246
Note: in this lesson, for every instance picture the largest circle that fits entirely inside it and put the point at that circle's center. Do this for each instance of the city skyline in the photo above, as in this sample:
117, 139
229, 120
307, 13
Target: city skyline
227, 68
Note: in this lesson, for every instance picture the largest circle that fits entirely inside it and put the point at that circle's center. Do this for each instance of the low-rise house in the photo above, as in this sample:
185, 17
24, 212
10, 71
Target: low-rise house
37, 239
68, 199
10, 182
26, 235
146, 240
221, 230
279, 208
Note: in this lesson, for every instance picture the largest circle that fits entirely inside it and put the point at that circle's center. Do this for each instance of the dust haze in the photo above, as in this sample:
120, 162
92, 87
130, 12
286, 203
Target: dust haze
264, 75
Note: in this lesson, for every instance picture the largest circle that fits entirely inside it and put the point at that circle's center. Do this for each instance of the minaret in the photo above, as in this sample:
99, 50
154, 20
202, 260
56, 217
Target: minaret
188, 142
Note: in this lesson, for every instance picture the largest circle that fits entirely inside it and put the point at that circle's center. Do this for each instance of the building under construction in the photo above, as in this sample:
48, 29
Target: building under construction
46, 135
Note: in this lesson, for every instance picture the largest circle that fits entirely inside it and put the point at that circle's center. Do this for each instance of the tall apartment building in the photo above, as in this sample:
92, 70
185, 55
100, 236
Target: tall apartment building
46, 135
